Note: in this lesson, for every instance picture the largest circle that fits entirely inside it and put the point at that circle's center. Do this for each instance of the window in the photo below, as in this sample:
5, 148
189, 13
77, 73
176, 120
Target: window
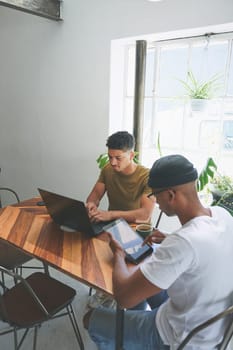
195, 134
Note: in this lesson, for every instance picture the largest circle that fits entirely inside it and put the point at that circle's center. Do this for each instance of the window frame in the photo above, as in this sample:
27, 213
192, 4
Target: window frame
156, 45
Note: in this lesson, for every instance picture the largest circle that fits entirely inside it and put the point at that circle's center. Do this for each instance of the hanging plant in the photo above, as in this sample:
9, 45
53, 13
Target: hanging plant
200, 90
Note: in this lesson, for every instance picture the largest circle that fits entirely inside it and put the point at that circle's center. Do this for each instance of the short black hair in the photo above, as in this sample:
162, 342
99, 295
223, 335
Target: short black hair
121, 140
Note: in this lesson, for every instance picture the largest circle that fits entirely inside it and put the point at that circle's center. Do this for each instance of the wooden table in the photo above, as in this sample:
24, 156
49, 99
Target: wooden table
29, 227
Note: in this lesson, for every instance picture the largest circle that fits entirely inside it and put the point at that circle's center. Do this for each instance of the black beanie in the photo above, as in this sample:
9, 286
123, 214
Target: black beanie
171, 171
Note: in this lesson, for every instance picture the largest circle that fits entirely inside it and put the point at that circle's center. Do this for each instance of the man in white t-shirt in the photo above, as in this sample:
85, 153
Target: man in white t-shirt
193, 264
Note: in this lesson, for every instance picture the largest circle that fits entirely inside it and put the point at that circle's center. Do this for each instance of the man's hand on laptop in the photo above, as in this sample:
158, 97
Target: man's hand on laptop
91, 208
100, 215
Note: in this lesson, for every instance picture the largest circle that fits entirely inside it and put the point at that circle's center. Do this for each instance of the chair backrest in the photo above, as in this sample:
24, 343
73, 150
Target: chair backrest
228, 333
11, 257
13, 279
6, 196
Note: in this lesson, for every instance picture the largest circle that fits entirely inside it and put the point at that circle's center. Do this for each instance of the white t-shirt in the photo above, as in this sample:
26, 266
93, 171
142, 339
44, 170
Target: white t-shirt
195, 265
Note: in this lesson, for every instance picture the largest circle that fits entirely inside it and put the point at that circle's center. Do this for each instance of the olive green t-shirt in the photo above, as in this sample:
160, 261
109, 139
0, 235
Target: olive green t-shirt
124, 191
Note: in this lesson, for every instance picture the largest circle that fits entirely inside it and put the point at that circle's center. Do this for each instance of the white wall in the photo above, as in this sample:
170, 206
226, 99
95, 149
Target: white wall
54, 84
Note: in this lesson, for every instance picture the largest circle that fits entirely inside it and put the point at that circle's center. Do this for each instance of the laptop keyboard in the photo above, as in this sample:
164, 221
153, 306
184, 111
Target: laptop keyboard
98, 227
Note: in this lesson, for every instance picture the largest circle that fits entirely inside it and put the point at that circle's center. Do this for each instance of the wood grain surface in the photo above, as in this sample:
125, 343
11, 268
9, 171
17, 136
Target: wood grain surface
28, 226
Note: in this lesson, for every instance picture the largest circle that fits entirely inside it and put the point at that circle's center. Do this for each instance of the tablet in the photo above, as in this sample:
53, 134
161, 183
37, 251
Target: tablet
129, 240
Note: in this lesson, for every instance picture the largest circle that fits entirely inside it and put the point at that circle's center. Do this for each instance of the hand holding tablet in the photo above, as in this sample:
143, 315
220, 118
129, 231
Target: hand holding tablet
130, 241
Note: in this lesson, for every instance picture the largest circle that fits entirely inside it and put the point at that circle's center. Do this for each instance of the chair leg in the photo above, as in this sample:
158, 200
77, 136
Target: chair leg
2, 282
18, 346
35, 337
227, 337
15, 339
18, 270
74, 323
46, 268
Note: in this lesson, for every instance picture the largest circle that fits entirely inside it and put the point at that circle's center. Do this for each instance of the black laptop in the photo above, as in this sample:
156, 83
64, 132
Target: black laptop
70, 214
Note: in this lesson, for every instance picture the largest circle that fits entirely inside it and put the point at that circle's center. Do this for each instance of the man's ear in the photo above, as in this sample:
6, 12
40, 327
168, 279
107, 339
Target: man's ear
132, 155
171, 193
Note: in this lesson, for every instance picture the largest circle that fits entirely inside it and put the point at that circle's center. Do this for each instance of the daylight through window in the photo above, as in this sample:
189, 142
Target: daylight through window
191, 125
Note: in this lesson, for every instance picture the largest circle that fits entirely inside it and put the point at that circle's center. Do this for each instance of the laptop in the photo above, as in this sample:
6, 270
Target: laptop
70, 214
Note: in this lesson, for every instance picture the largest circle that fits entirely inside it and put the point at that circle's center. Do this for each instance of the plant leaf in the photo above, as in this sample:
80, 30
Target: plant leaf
206, 174
201, 90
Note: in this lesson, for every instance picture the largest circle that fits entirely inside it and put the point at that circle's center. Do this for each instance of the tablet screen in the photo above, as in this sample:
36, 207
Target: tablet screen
129, 240
124, 234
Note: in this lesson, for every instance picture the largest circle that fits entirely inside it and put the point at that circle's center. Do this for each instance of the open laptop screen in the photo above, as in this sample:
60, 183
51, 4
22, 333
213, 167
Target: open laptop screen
68, 213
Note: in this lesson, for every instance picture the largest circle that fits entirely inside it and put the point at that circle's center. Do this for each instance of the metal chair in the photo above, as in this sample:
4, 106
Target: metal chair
33, 301
7, 189
227, 336
10, 257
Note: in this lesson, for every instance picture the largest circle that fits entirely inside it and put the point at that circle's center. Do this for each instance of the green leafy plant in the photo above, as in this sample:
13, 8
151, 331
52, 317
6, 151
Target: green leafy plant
222, 183
201, 89
206, 174
221, 187
102, 160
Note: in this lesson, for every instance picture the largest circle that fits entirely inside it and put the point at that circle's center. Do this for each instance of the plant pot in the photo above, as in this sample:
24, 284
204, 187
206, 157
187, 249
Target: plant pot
216, 193
198, 104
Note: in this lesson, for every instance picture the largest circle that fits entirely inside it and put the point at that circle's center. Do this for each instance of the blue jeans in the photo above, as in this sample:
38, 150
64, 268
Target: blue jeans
140, 332
157, 299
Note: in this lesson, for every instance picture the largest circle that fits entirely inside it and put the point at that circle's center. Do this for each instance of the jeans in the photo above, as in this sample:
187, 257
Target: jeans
157, 299
140, 332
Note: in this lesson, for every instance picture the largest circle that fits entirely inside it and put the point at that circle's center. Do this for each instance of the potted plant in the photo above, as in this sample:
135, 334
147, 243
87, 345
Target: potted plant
199, 92
220, 185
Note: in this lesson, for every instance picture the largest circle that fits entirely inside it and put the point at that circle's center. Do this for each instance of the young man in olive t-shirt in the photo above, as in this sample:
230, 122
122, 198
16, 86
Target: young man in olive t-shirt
124, 182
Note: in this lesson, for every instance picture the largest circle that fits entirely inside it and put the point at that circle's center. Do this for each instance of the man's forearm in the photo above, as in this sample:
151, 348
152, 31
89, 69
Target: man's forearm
120, 272
93, 199
137, 215
96, 194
